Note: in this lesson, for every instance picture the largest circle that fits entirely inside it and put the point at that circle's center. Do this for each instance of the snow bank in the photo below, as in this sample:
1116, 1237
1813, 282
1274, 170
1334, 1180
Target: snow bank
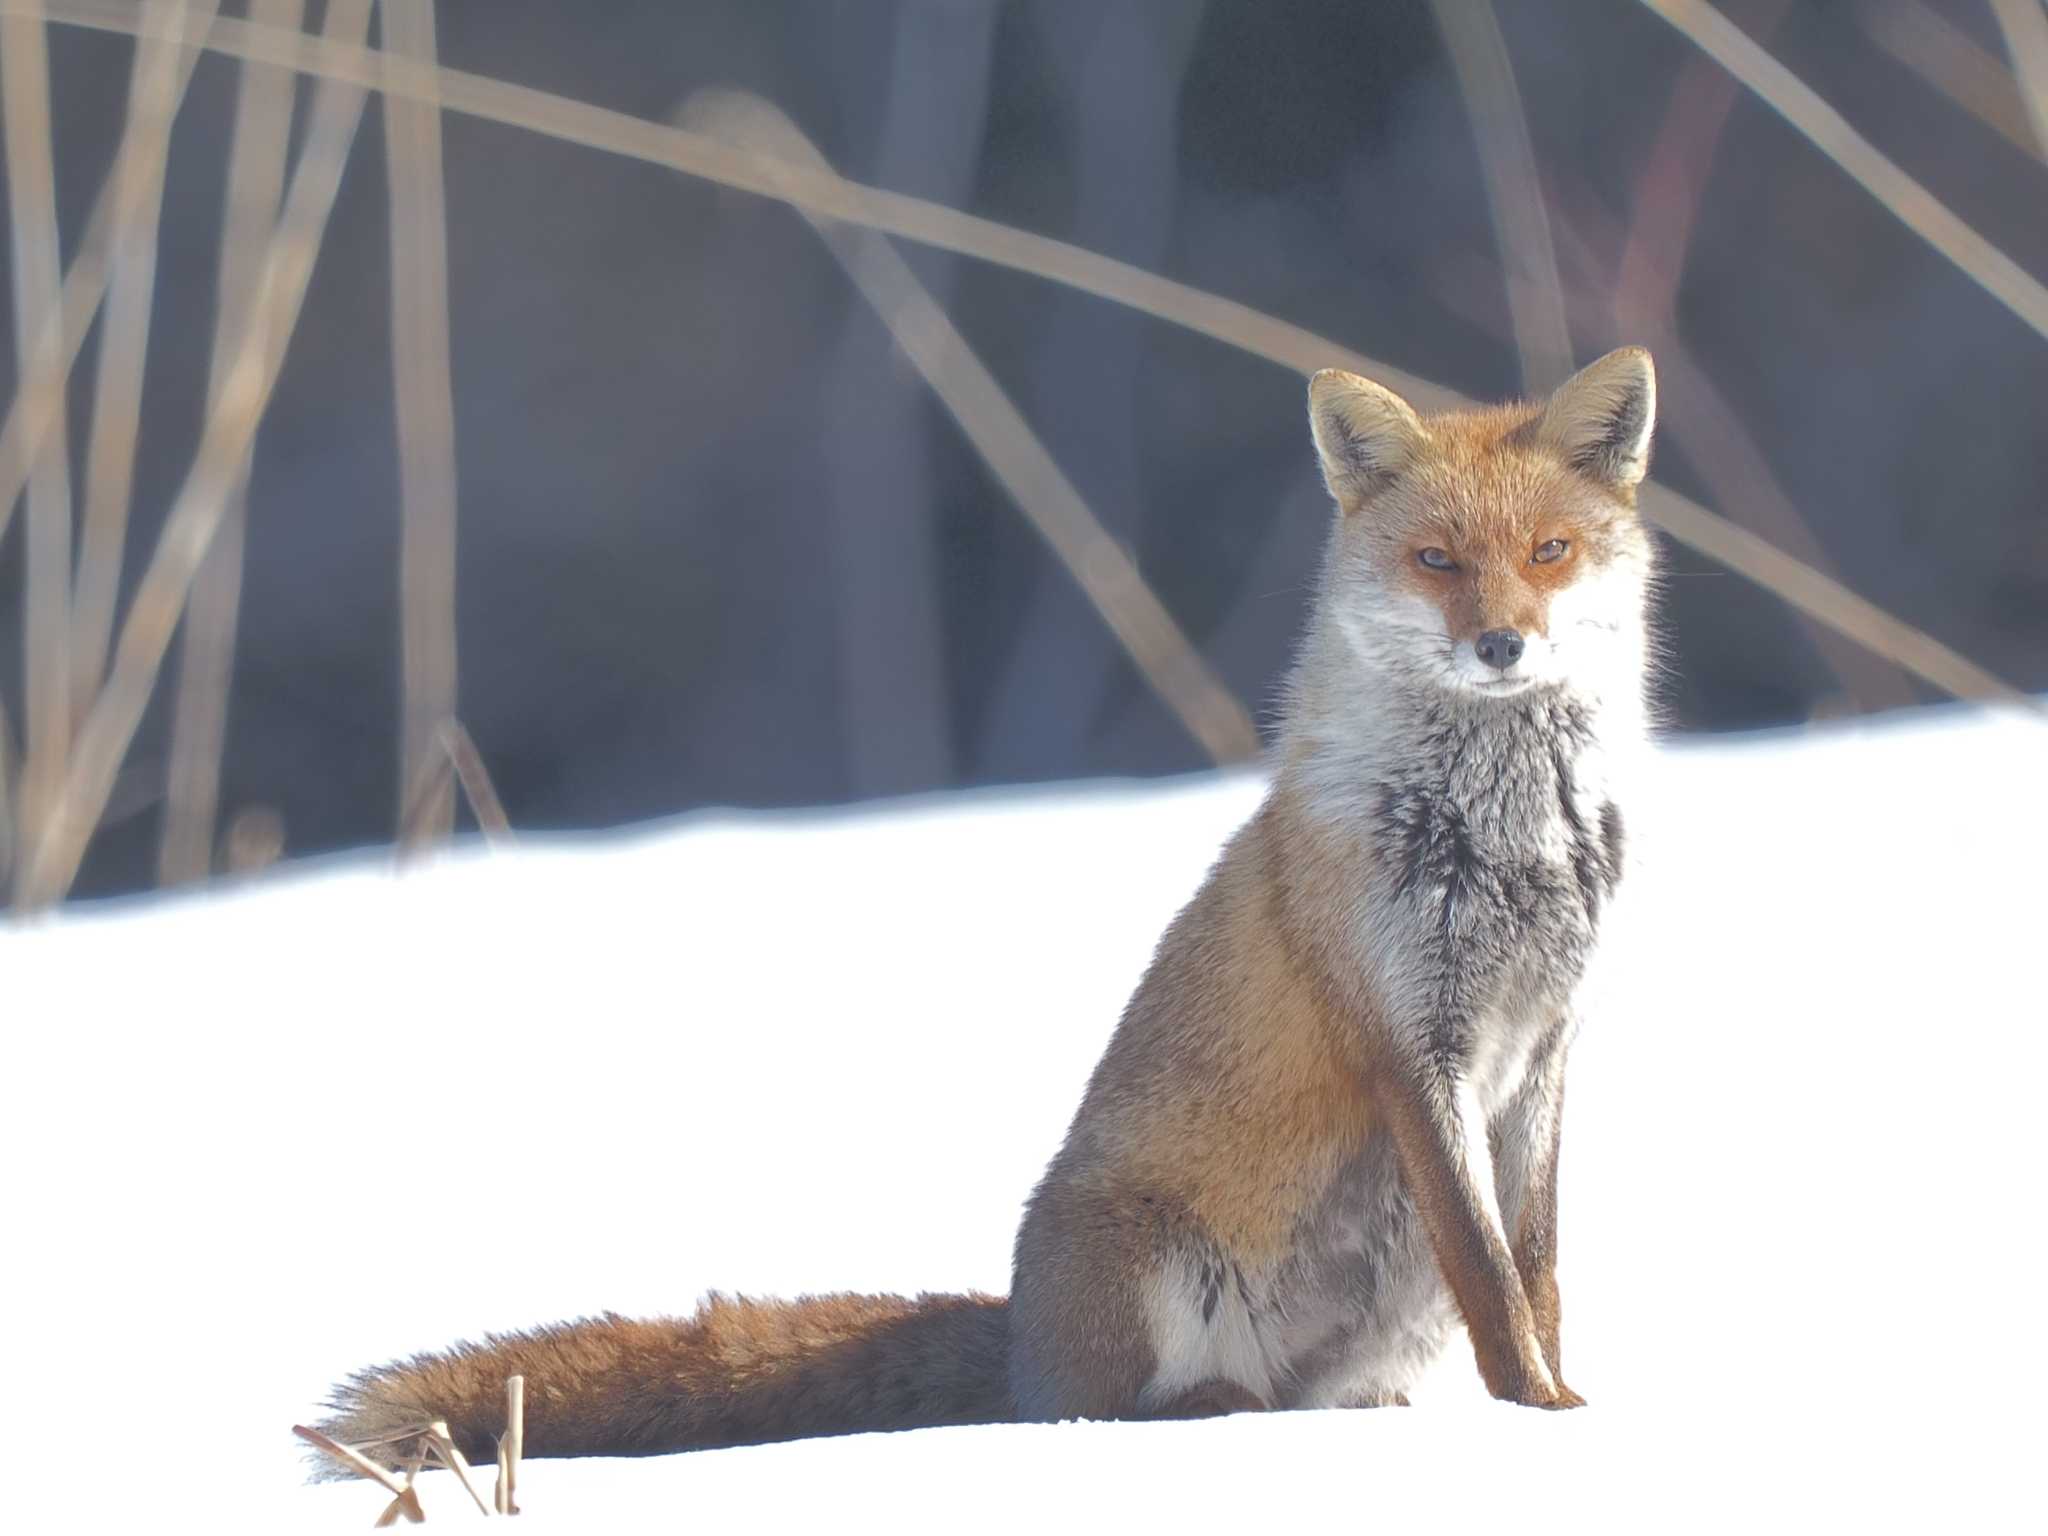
259, 1138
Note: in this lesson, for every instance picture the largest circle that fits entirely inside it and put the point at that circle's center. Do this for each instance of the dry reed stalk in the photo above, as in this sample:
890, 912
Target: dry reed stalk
399, 1508
1709, 431
1949, 60
1829, 132
1208, 314
1014, 453
511, 1447
452, 758
452, 1458
59, 843
46, 610
2024, 24
426, 416
454, 739
1507, 160
124, 348
130, 186
1815, 592
1705, 425
8, 773
349, 1457
255, 186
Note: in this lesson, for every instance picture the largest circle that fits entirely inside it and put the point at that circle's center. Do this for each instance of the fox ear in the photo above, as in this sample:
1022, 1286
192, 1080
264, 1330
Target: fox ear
1601, 417
1364, 434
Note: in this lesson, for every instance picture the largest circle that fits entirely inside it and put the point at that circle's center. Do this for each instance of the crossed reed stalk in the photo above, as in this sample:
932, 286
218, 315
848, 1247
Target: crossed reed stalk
87, 687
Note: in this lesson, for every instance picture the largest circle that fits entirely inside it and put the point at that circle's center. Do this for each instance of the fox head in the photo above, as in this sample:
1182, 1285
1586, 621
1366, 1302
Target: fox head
1492, 551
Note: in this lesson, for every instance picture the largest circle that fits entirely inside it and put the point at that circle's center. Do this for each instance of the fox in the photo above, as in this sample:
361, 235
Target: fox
1325, 1131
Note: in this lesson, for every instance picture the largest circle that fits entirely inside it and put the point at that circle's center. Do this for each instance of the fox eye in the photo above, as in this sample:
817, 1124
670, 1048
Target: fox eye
1546, 552
1436, 559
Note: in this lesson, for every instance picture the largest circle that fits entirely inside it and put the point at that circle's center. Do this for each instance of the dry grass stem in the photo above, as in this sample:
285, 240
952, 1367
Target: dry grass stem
46, 611
8, 774
1914, 206
407, 1505
453, 759
511, 1447
1805, 588
454, 740
426, 414
349, 1457
1162, 653
1949, 60
1705, 425
1709, 430
124, 347
2024, 24
410, 1432
255, 186
59, 843
130, 186
452, 1458
1507, 159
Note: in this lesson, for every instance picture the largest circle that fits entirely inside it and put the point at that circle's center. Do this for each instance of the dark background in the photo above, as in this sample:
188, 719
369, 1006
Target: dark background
718, 543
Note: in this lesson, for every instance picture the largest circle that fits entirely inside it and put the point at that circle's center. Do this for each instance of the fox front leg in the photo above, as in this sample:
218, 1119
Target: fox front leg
1440, 1137
1525, 1145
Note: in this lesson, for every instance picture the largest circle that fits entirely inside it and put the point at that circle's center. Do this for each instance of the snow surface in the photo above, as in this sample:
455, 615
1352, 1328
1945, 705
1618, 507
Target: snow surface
258, 1138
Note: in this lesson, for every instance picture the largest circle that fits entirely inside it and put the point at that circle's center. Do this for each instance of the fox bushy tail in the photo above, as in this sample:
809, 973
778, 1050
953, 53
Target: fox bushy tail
738, 1372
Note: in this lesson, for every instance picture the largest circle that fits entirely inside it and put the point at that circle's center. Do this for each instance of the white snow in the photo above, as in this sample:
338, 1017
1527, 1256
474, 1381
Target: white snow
256, 1139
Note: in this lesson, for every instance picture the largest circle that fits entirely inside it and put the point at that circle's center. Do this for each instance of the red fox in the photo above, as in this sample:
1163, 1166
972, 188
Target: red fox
1327, 1125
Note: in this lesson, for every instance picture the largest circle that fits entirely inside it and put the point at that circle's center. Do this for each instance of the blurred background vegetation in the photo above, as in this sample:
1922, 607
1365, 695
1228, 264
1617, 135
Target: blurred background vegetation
635, 474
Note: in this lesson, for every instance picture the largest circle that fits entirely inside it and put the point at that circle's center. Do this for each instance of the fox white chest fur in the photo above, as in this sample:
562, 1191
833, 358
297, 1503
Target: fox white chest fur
1489, 841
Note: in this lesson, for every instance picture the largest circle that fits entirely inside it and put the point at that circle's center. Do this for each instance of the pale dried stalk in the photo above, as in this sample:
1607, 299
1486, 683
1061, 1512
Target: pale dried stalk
1507, 159
130, 186
444, 1446
1164, 655
395, 1436
1234, 324
426, 416
7, 777
195, 515
1811, 591
32, 225
452, 758
1705, 425
124, 347
511, 1447
349, 1457
1949, 60
1829, 132
454, 739
407, 1505
2024, 24
255, 186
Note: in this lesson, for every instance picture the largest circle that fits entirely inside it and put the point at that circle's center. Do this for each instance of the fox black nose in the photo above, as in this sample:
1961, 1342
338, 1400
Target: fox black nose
1500, 648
